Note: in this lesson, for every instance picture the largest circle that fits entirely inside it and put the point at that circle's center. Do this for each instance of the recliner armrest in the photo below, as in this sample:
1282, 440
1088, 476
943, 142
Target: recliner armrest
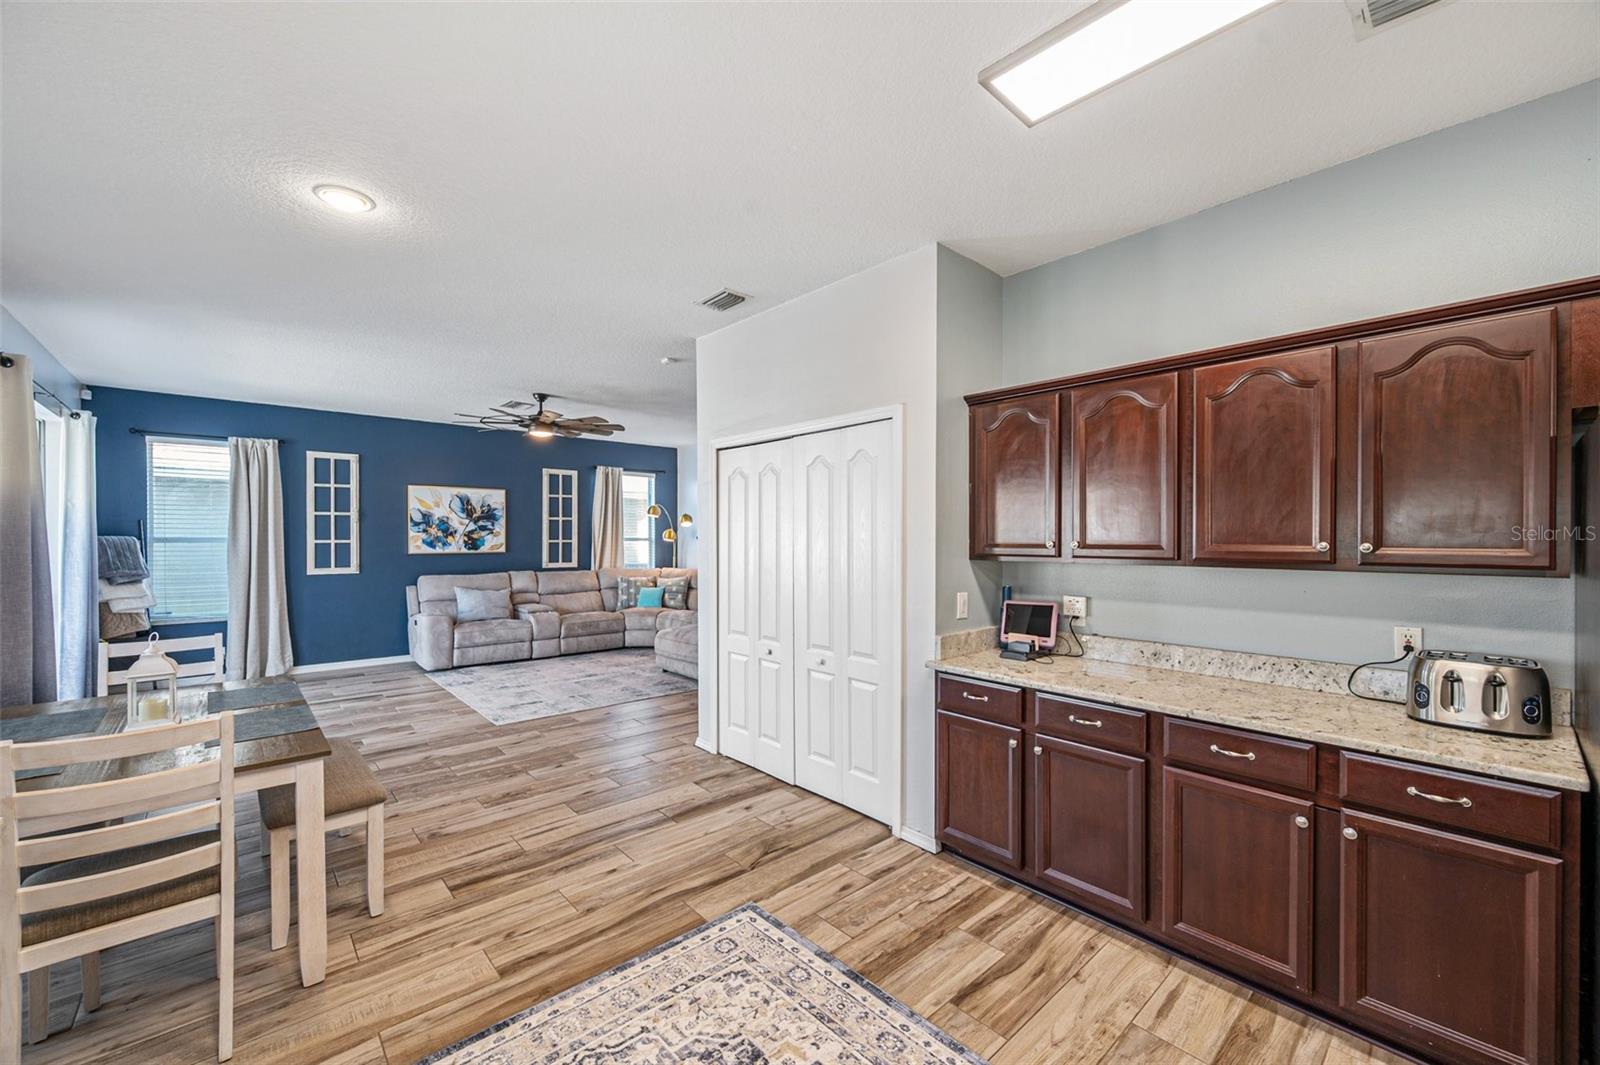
432, 639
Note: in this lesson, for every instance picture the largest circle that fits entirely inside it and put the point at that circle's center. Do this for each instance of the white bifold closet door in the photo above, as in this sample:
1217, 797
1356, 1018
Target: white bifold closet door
805, 655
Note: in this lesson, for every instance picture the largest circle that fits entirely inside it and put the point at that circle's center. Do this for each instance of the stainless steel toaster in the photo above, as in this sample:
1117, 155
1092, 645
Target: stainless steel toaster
1494, 693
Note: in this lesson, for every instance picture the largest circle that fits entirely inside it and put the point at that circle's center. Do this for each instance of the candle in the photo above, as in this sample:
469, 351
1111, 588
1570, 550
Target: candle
154, 707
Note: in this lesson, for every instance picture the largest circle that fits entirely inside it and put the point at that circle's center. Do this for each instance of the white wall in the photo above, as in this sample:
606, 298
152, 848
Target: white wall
689, 503
1508, 201
862, 343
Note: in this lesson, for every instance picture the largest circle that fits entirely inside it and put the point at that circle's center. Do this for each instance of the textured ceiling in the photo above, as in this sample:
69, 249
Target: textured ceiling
558, 184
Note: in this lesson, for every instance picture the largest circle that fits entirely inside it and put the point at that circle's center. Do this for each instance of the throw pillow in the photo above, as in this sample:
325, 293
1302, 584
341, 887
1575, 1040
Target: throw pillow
676, 591
628, 590
651, 596
482, 604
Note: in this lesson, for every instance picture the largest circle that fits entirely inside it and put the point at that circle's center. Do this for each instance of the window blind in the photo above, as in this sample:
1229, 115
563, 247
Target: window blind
638, 493
187, 528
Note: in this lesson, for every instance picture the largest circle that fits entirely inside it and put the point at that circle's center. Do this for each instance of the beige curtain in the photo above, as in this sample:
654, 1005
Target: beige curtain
27, 613
258, 607
607, 549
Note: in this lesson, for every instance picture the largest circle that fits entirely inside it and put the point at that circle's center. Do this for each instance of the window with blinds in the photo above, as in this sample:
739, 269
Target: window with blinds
186, 530
638, 496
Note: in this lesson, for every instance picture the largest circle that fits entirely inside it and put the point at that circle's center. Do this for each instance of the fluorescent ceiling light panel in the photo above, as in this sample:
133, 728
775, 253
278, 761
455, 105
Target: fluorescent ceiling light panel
1103, 45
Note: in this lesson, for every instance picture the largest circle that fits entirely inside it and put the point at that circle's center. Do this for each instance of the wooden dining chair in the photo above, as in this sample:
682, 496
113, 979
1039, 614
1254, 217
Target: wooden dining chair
101, 883
210, 666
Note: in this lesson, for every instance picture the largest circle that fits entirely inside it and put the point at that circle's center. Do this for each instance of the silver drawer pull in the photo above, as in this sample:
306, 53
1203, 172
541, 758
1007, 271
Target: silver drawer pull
1250, 755
1463, 802
1038, 750
975, 698
1083, 721
1013, 744
1302, 821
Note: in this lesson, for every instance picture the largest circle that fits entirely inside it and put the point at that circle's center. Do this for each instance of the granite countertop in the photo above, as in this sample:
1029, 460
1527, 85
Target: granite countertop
1338, 720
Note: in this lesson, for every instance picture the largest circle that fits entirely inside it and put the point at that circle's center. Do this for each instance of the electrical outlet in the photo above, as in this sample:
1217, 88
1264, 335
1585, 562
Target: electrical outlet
961, 606
1075, 606
1404, 634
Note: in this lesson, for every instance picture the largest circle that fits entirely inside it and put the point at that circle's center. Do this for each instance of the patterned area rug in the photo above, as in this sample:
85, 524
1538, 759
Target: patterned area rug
506, 692
744, 989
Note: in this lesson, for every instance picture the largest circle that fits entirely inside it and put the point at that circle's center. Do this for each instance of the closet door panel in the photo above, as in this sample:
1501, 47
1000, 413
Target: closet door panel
870, 774
772, 584
737, 704
819, 600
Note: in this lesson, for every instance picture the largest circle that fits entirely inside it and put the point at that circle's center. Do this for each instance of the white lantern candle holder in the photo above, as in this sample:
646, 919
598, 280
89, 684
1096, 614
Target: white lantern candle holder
152, 688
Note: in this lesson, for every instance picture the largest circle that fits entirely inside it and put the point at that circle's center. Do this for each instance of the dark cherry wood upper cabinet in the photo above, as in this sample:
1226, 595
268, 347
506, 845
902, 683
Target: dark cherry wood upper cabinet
1015, 477
1264, 441
1457, 431
979, 788
1448, 943
1236, 876
1089, 824
1125, 468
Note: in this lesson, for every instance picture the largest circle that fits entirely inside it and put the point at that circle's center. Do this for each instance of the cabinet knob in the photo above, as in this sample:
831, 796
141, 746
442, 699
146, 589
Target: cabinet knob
1050, 544
1366, 548
1012, 743
1349, 833
1322, 545
1300, 821
1073, 545
1038, 750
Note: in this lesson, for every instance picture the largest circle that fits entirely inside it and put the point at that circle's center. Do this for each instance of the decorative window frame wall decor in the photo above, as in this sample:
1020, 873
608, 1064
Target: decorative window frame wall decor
560, 552
329, 537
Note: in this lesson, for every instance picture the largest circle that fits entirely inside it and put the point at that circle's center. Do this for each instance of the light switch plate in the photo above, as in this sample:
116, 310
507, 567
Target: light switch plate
961, 606
1075, 606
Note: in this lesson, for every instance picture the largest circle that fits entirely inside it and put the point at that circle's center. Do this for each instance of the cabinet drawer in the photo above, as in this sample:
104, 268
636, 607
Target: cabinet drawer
1248, 755
1491, 807
977, 698
1100, 726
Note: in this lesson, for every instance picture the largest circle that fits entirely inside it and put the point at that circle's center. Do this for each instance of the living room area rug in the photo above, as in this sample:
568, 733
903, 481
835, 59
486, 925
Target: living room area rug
743, 988
508, 692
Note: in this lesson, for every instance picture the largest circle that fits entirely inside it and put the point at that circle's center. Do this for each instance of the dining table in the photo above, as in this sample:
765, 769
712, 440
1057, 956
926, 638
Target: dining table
277, 742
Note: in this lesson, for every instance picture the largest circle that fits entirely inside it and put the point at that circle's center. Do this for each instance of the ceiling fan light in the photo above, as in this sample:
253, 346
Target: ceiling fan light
539, 432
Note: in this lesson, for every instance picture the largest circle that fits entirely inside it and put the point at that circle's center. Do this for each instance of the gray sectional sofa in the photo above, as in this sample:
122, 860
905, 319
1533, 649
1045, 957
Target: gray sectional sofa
555, 612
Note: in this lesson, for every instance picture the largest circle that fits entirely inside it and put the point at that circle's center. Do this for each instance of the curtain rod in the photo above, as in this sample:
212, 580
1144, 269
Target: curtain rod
188, 436
7, 361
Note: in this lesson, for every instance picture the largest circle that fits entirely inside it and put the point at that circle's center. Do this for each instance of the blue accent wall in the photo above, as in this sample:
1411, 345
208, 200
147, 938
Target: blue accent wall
335, 618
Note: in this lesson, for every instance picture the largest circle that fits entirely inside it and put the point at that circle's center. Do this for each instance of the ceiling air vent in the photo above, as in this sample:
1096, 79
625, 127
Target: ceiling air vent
726, 300
514, 404
1372, 15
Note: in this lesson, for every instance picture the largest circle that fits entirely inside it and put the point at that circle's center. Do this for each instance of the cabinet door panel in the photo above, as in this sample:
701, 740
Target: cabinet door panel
1263, 459
1456, 442
1449, 943
1015, 477
980, 788
1125, 468
1236, 875
1089, 827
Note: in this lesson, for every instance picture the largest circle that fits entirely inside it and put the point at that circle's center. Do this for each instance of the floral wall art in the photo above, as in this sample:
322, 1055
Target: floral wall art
444, 520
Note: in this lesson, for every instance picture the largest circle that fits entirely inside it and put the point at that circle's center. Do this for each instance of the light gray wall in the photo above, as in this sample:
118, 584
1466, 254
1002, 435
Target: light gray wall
968, 361
859, 344
15, 339
688, 503
1504, 202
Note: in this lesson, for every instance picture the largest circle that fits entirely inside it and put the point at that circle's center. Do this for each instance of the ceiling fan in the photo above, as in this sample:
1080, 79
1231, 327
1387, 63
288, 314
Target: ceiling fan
541, 424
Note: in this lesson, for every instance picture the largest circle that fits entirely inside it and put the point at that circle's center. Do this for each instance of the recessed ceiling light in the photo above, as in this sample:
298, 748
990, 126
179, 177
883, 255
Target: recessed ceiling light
344, 199
1103, 45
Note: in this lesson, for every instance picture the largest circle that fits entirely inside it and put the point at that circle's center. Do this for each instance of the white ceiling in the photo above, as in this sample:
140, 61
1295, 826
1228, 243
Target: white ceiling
558, 184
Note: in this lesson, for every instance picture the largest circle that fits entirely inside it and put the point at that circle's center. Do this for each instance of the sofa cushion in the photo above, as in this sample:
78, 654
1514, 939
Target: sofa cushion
499, 630
681, 641
628, 589
524, 586
563, 581
672, 619
482, 604
546, 620
442, 586
640, 617
676, 591
591, 623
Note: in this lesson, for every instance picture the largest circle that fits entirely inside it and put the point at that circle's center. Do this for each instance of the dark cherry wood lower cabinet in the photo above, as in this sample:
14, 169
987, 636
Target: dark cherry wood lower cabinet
1449, 943
1236, 875
1088, 817
980, 788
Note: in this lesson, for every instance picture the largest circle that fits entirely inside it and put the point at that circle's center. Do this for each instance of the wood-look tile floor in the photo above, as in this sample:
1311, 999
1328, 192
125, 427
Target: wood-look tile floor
523, 859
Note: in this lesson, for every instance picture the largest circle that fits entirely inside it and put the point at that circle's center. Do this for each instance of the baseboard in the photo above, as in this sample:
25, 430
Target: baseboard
917, 839
700, 742
353, 663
